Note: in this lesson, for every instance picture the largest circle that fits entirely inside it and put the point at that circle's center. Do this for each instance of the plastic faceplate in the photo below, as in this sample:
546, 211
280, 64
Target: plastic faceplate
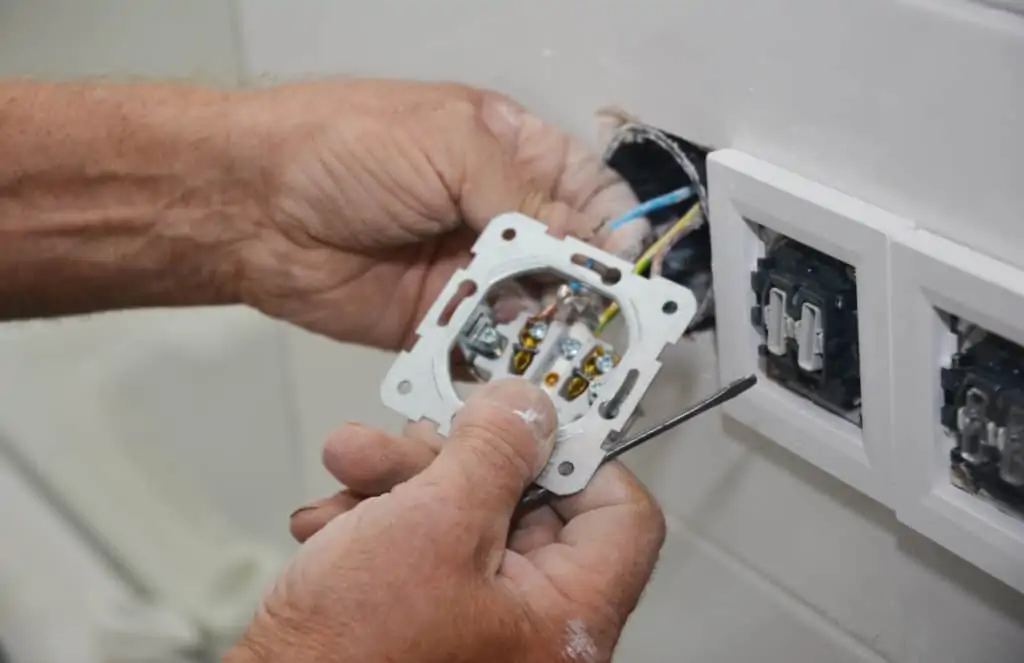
656, 313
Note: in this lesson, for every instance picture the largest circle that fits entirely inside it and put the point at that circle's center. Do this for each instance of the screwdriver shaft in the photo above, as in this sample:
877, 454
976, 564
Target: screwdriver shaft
538, 496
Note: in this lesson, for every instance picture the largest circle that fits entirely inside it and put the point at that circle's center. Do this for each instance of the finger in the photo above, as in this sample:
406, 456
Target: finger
615, 530
493, 187
568, 172
599, 192
577, 175
452, 255
426, 432
629, 241
494, 181
499, 442
372, 462
535, 530
310, 519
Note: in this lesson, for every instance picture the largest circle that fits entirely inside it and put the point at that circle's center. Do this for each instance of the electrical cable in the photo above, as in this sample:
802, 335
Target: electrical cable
677, 232
645, 260
652, 205
631, 143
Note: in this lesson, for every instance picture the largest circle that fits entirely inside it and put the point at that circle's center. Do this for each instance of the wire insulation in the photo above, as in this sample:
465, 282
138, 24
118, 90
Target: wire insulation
645, 260
652, 205
678, 233
666, 240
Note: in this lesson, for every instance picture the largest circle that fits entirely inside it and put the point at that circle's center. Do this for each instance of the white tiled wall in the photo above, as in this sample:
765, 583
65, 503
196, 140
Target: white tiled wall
769, 559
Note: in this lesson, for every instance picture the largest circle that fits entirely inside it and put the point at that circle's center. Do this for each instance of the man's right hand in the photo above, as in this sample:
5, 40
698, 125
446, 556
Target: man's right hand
417, 560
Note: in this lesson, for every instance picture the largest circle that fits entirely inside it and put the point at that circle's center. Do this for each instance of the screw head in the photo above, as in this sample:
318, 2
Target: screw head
570, 347
604, 363
488, 336
593, 391
538, 331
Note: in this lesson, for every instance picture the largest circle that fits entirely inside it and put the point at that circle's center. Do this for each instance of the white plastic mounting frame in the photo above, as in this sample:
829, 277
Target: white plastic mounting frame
746, 193
656, 313
932, 274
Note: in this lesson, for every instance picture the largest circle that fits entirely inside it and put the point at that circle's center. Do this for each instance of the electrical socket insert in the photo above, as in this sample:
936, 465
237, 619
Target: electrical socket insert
805, 307
749, 196
932, 280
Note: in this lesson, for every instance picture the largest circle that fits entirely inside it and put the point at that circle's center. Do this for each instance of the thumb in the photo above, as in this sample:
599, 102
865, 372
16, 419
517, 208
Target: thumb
499, 442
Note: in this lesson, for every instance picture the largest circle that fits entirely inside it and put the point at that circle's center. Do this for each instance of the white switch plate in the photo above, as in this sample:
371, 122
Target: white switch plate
930, 273
746, 191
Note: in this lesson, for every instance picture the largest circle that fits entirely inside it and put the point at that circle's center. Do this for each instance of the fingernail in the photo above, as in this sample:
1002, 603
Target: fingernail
530, 404
302, 509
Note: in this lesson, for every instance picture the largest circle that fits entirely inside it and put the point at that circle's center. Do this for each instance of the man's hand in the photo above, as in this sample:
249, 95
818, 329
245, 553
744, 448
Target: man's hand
378, 188
417, 560
341, 206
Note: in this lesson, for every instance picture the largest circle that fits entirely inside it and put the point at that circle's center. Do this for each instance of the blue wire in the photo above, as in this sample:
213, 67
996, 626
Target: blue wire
641, 210
652, 205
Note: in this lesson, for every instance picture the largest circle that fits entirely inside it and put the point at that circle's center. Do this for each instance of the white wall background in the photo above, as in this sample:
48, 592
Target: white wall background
909, 104
912, 105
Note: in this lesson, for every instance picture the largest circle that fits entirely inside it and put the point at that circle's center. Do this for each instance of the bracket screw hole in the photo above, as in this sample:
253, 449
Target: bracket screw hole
509, 234
404, 387
669, 308
565, 468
